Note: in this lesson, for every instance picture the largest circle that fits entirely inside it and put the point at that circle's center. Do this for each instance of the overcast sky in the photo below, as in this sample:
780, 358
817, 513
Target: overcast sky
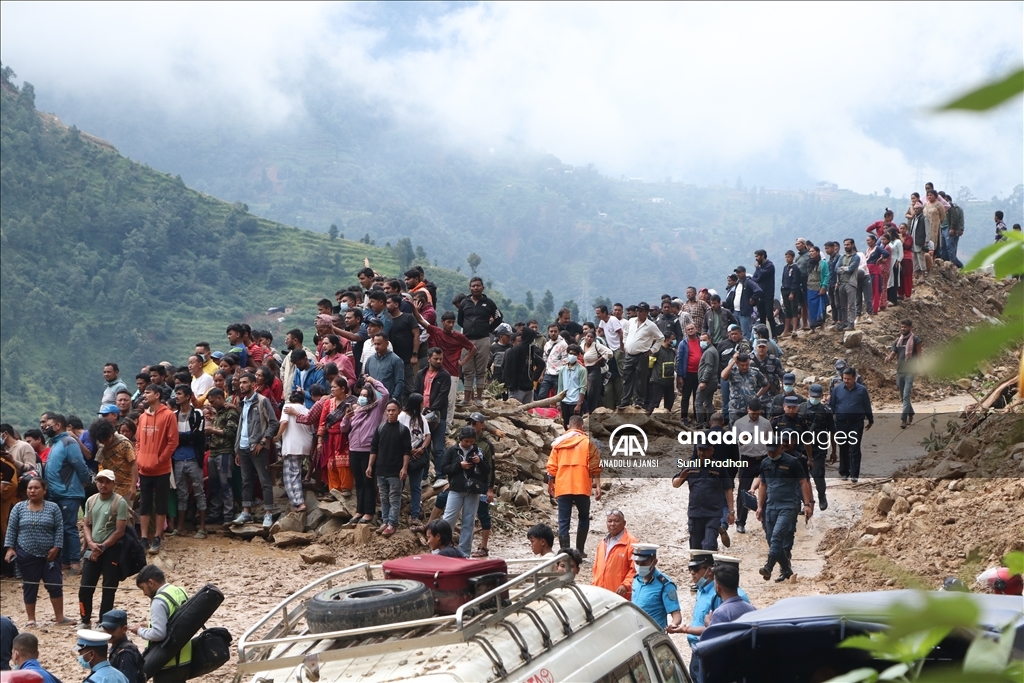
781, 94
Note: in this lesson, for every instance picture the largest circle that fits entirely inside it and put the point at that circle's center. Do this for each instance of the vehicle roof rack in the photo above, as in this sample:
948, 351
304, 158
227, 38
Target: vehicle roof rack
286, 642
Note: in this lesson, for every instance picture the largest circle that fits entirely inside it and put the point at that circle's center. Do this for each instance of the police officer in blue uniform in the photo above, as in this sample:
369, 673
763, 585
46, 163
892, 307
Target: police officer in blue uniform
823, 425
653, 592
781, 485
92, 655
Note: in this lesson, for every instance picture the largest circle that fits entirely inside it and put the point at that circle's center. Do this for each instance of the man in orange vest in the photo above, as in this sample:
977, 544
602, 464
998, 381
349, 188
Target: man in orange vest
613, 563
574, 470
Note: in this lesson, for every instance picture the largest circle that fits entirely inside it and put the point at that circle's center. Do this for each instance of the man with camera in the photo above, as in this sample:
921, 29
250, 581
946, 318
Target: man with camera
466, 470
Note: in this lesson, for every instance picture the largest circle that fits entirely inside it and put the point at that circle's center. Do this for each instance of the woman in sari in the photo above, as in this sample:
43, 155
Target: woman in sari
332, 443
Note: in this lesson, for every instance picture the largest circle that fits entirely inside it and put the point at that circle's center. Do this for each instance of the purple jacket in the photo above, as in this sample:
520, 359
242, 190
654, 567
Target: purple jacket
364, 422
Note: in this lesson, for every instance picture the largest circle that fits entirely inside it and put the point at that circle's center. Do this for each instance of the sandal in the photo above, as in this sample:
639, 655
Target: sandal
301, 508
30, 624
365, 520
417, 528
64, 622
480, 552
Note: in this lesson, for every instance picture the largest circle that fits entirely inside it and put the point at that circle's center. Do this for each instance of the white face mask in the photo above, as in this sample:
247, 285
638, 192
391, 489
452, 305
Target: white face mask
642, 570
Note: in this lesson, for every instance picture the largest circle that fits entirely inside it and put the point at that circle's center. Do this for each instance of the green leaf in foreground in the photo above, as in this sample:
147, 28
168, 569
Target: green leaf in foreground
1014, 561
989, 95
1006, 257
965, 353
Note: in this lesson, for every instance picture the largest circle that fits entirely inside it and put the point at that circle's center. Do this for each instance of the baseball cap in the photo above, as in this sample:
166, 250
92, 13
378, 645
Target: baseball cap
761, 342
113, 619
789, 378
816, 391
732, 327
503, 328
477, 417
217, 355
643, 306
374, 320
740, 269
792, 401
109, 409
106, 474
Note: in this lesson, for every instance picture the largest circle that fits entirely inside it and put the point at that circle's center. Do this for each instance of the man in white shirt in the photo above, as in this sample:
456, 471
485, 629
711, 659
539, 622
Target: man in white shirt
752, 453
201, 382
640, 337
610, 329
554, 353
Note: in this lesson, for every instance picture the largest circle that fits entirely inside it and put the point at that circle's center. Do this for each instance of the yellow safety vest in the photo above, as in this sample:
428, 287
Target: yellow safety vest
174, 597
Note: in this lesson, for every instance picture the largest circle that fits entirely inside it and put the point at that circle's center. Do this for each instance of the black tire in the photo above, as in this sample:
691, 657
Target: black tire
368, 603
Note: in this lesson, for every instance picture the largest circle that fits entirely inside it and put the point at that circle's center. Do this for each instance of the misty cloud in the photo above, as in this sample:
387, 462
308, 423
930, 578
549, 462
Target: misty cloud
781, 94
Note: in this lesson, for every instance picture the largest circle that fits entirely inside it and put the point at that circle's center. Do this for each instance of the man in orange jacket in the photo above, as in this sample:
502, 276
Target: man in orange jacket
613, 563
574, 469
157, 437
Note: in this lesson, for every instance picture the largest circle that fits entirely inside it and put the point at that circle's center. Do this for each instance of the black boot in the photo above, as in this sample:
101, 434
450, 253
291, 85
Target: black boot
786, 570
767, 569
563, 542
581, 543
822, 500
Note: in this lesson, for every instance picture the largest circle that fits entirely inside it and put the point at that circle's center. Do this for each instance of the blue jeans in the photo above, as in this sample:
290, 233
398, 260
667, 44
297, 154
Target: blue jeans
905, 385
71, 553
951, 242
725, 401
417, 471
565, 505
467, 503
437, 433
779, 527
222, 497
746, 325
390, 489
548, 383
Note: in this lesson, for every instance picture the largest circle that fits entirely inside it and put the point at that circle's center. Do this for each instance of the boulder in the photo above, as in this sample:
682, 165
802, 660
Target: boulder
853, 339
968, 448
876, 528
248, 531
293, 521
165, 562
284, 539
533, 489
317, 554
362, 534
522, 499
330, 526
315, 517
883, 503
950, 469
336, 509
900, 507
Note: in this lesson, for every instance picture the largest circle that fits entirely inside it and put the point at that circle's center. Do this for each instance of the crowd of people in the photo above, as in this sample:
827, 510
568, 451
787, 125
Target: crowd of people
365, 411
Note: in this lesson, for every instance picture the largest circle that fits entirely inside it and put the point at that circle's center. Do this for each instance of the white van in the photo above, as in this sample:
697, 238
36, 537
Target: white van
549, 629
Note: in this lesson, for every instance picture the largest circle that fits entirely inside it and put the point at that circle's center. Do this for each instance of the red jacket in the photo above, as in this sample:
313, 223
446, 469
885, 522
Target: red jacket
156, 439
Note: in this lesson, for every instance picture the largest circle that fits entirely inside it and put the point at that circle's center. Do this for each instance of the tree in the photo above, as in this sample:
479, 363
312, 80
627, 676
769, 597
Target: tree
887, 191
547, 304
474, 261
529, 300
404, 253
964, 195
421, 255
603, 301
332, 232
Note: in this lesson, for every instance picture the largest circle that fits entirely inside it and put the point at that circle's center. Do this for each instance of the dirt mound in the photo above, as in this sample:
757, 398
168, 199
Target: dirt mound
954, 512
944, 305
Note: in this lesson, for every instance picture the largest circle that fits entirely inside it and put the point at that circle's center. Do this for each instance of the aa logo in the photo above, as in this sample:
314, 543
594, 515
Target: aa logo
628, 441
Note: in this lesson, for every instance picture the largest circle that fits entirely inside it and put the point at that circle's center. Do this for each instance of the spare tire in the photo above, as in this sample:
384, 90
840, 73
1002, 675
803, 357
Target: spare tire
368, 603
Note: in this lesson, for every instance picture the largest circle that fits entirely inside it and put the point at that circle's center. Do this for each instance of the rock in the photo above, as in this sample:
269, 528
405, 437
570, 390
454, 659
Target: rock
964, 384
876, 528
283, 539
317, 553
921, 510
949, 469
315, 517
606, 486
883, 503
522, 499
248, 531
362, 534
900, 507
336, 509
506, 495
533, 489
853, 339
330, 526
968, 448
164, 562
809, 379
914, 500
293, 521
887, 489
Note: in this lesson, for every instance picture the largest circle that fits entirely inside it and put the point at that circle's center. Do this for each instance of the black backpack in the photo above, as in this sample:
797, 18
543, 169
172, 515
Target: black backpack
537, 364
133, 554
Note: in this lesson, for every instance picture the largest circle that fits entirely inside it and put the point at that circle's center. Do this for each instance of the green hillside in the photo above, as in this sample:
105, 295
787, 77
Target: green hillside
104, 259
